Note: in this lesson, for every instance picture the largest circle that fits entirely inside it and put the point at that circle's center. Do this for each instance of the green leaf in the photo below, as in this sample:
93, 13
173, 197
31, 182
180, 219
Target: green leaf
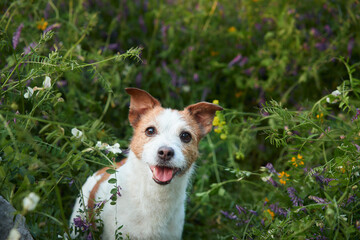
111, 171
112, 180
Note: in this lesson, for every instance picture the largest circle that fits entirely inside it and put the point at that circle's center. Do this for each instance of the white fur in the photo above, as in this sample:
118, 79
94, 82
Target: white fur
146, 209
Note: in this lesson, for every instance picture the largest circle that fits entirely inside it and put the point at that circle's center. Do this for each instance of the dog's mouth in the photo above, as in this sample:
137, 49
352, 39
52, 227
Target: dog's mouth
163, 175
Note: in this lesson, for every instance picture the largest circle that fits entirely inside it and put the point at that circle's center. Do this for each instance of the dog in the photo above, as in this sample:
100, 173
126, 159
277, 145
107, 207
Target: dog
156, 173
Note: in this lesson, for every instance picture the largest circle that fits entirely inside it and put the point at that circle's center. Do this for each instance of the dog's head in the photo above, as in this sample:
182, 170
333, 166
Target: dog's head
165, 139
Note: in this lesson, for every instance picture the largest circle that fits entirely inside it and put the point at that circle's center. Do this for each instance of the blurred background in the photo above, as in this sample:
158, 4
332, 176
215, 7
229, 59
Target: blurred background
241, 53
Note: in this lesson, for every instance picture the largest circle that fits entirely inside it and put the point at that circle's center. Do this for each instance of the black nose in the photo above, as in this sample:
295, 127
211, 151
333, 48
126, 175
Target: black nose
165, 153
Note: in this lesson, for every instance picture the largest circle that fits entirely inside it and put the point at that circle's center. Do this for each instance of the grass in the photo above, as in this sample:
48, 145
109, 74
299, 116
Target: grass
283, 159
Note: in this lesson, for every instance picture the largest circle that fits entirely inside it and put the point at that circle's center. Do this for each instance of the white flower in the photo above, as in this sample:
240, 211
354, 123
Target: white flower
336, 93
104, 146
76, 133
29, 92
47, 82
14, 234
114, 148
30, 202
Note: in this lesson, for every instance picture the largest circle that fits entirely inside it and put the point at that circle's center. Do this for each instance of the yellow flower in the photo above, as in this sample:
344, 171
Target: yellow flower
231, 29
41, 25
216, 121
266, 200
214, 53
223, 136
295, 161
272, 214
216, 102
283, 177
217, 130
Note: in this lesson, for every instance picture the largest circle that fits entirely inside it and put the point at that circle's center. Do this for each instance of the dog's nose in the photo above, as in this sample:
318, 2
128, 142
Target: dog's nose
165, 153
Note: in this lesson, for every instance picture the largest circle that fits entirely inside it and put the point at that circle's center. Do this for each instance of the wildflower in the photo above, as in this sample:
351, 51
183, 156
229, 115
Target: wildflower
16, 36
271, 180
47, 82
294, 199
216, 102
223, 136
271, 168
214, 53
42, 24
240, 209
357, 147
278, 210
81, 224
357, 115
30, 202
216, 120
114, 148
235, 60
272, 214
27, 49
51, 27
297, 161
14, 234
335, 93
231, 29
29, 93
266, 201
342, 169
230, 216
104, 146
283, 177
318, 200
76, 133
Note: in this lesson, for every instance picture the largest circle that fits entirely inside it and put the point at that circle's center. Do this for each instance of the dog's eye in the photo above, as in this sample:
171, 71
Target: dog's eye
150, 131
185, 137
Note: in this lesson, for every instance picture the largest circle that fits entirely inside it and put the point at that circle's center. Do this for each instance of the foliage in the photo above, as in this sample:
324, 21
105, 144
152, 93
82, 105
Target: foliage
283, 161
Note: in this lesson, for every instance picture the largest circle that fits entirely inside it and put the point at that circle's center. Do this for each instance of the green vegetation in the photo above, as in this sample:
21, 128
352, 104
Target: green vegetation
283, 159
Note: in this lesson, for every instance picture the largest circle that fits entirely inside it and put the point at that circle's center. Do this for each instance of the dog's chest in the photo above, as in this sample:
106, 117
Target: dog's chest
146, 210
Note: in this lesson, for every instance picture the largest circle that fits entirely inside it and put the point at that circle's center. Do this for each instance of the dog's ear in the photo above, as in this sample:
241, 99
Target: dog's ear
140, 102
203, 113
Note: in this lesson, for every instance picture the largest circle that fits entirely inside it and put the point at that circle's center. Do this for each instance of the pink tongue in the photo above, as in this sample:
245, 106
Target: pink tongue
163, 174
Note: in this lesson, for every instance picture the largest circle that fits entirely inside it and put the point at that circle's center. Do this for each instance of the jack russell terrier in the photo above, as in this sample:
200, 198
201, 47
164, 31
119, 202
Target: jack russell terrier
154, 177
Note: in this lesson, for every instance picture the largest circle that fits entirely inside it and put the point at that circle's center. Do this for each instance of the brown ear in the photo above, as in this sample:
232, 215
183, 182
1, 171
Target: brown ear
140, 102
203, 113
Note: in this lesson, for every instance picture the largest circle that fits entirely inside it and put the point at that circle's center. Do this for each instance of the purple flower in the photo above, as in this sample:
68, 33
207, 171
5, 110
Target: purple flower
321, 46
295, 199
230, 216
27, 49
350, 199
81, 224
278, 210
89, 237
318, 200
235, 60
240, 209
253, 212
51, 27
196, 77
16, 36
272, 182
357, 115
350, 46
357, 147
243, 61
271, 168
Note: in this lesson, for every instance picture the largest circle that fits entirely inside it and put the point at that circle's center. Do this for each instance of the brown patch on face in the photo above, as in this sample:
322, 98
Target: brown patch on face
94, 190
139, 138
190, 150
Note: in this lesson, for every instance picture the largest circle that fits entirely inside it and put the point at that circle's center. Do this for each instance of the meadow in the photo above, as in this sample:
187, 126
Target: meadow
283, 159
